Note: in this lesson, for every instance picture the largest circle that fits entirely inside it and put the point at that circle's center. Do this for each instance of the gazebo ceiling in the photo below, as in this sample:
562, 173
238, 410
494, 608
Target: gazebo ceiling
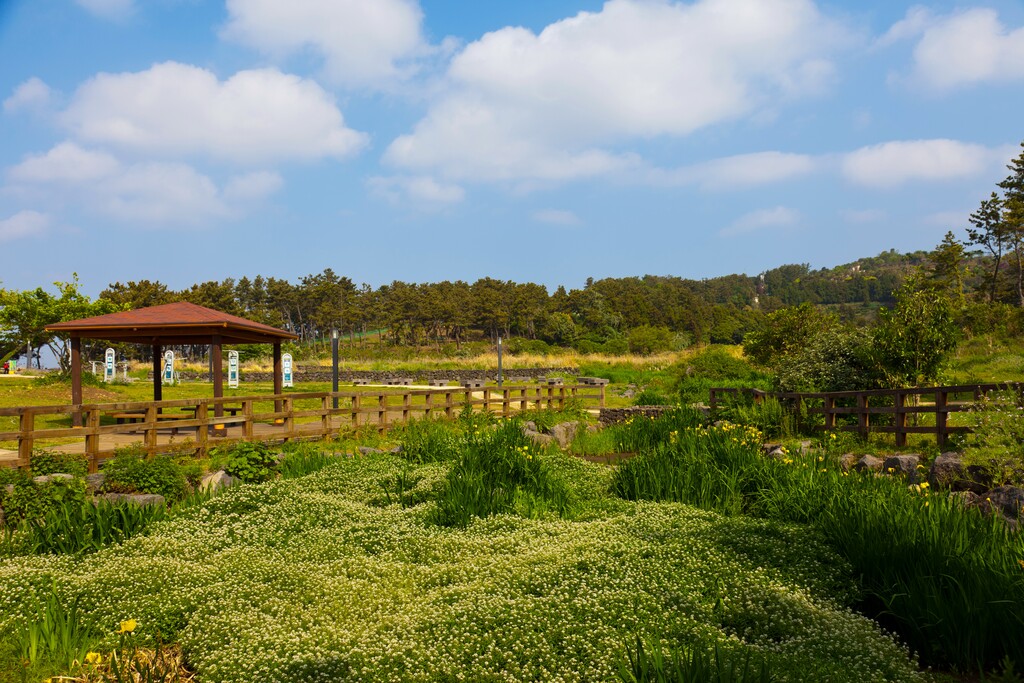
172, 324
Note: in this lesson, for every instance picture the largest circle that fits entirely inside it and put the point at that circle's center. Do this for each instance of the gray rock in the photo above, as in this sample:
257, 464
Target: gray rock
966, 498
95, 482
805, 447
868, 463
9, 488
847, 461
214, 481
769, 448
42, 480
593, 429
396, 449
60, 476
140, 499
1008, 500
564, 433
540, 439
529, 426
777, 453
369, 450
903, 466
946, 469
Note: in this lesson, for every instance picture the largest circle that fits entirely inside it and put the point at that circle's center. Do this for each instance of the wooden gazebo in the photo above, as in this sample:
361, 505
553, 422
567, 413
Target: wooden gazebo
170, 325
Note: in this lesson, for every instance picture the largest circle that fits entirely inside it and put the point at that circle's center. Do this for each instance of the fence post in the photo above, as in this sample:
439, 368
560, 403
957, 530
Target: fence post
448, 409
506, 402
523, 403
863, 423
356, 400
487, 400
247, 412
27, 425
406, 406
428, 405
561, 398
151, 413
382, 411
602, 397
287, 405
203, 430
901, 419
325, 419
941, 428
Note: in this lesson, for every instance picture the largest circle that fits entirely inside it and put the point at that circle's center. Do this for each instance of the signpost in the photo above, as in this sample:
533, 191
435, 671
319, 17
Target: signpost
286, 369
108, 368
169, 367
232, 369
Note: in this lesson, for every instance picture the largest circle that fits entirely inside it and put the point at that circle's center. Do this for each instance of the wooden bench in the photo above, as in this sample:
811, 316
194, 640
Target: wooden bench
121, 418
231, 410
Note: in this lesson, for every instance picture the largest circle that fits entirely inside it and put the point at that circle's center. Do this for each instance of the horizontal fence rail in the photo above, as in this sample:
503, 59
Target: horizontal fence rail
212, 422
865, 407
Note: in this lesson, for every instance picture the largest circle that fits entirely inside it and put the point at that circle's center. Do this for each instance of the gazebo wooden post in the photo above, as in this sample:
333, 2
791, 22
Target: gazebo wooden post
278, 380
158, 371
76, 379
217, 360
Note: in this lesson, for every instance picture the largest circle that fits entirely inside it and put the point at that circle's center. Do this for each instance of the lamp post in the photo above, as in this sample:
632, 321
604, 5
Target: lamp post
334, 366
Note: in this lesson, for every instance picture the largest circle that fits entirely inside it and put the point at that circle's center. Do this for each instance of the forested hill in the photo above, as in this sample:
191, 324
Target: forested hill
600, 316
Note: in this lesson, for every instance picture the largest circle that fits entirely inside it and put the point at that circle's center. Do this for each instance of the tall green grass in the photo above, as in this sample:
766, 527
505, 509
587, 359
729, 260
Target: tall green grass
947, 579
651, 663
499, 470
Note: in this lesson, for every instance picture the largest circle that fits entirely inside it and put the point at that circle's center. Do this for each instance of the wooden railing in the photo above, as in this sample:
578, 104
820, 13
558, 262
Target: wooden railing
899, 403
281, 417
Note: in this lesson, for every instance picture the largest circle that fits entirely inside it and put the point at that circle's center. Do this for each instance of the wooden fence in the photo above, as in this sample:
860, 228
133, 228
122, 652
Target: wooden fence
283, 417
855, 411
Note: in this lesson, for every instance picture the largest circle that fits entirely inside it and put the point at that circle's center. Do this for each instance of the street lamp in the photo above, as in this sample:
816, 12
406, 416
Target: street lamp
334, 366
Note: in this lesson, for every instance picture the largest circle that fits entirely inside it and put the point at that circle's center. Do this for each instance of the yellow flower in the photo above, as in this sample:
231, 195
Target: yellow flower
924, 484
128, 626
93, 658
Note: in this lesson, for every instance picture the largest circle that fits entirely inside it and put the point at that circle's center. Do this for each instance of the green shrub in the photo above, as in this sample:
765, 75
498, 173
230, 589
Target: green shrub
52, 462
75, 527
248, 461
29, 500
997, 439
56, 637
131, 471
304, 458
650, 397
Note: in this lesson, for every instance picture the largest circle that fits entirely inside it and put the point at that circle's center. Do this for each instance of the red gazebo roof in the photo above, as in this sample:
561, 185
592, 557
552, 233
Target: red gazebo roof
177, 323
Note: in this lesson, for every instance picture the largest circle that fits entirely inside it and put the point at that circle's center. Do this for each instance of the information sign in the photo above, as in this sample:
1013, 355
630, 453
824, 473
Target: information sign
108, 368
286, 369
232, 369
169, 367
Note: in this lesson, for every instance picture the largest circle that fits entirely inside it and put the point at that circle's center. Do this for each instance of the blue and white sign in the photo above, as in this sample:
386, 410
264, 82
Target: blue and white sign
169, 367
108, 366
286, 369
232, 369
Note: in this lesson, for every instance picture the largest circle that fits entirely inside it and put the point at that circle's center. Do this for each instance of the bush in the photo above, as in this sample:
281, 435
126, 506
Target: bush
650, 397
51, 462
131, 471
997, 441
248, 461
29, 500
304, 458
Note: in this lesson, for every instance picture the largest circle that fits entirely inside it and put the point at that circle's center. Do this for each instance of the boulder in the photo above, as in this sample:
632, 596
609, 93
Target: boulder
530, 426
904, 466
805, 447
777, 453
769, 448
214, 481
540, 439
847, 461
868, 463
42, 480
1008, 500
396, 449
140, 499
946, 469
59, 476
369, 450
95, 482
967, 498
564, 433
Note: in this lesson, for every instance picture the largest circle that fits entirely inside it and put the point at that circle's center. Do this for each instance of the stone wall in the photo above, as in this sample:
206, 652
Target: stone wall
613, 415
382, 376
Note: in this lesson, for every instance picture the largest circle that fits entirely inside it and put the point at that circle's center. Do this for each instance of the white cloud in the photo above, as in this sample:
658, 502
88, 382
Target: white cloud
742, 170
522, 106
361, 43
917, 19
894, 163
32, 94
951, 220
253, 186
778, 217
963, 48
557, 217
108, 9
23, 224
422, 190
146, 192
67, 162
176, 109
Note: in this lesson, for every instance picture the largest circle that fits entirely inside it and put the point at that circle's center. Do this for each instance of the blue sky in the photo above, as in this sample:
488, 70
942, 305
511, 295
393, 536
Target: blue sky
185, 140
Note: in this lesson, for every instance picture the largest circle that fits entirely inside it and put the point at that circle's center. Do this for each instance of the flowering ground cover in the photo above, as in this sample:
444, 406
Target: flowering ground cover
332, 577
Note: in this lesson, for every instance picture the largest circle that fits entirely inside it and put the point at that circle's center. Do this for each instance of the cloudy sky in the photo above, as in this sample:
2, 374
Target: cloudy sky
534, 140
